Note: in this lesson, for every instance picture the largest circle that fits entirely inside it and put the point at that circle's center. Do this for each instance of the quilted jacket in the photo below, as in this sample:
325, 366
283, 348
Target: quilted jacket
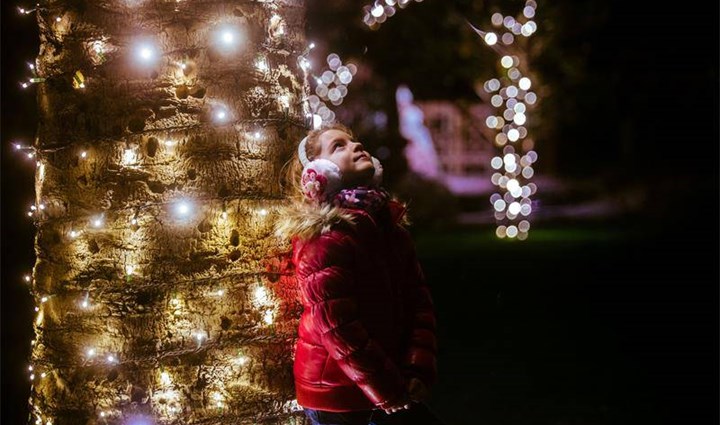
368, 323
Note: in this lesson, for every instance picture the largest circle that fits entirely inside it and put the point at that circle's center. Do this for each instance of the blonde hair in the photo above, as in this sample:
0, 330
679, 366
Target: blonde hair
293, 168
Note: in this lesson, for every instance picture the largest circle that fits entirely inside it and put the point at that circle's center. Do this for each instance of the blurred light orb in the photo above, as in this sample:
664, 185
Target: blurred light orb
513, 135
491, 38
501, 139
514, 73
508, 38
512, 91
512, 231
496, 101
530, 98
529, 11
519, 108
491, 121
525, 192
501, 232
528, 172
506, 61
509, 21
524, 226
494, 197
519, 119
494, 84
497, 19
525, 83
496, 162
377, 10
513, 185
499, 205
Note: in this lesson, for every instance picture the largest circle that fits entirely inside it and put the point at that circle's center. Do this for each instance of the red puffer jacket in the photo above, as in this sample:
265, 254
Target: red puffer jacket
368, 323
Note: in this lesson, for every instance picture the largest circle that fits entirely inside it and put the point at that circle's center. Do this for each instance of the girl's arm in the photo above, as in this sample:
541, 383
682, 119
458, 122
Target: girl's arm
325, 275
420, 357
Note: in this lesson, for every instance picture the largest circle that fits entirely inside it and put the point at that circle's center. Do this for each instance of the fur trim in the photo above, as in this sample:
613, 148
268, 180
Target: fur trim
308, 221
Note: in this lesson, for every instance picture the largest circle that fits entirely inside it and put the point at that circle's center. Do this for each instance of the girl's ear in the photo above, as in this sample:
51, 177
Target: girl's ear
377, 177
320, 179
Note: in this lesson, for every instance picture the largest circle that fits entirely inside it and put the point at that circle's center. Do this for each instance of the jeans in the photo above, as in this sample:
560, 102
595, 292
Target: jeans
418, 414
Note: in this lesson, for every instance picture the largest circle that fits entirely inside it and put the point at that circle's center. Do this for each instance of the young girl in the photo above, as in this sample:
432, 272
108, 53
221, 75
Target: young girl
366, 347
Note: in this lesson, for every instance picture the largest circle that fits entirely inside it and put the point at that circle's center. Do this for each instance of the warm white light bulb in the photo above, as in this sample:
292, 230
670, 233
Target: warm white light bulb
228, 37
145, 53
83, 154
91, 352
183, 208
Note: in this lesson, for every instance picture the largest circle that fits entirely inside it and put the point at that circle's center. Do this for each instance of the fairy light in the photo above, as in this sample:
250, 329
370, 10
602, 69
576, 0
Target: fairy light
219, 399
83, 154
98, 221
27, 278
261, 65
221, 115
90, 353
263, 212
183, 208
227, 39
200, 336
85, 303
268, 317
129, 157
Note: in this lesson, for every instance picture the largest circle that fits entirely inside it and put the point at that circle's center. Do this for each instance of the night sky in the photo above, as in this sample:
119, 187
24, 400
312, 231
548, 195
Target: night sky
635, 99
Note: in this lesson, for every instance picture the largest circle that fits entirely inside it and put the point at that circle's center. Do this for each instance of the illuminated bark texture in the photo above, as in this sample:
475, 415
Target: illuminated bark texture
162, 311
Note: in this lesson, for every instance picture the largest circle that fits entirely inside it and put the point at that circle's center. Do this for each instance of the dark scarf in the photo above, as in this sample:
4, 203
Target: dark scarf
370, 199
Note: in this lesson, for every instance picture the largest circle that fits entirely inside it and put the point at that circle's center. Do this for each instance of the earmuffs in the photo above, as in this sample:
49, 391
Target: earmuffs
321, 178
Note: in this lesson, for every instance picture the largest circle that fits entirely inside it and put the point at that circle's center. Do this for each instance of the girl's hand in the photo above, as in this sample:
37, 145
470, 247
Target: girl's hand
404, 405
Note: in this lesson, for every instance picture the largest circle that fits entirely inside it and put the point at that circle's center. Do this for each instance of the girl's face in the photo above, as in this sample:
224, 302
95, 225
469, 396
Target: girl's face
355, 163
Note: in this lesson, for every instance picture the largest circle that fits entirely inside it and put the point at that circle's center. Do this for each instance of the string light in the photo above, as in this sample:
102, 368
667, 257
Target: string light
147, 53
511, 97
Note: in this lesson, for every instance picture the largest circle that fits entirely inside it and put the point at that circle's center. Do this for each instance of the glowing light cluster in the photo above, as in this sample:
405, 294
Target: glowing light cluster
379, 12
512, 96
331, 86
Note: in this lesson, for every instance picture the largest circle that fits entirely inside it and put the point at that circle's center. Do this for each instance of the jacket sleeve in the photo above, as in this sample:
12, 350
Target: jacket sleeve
326, 281
420, 358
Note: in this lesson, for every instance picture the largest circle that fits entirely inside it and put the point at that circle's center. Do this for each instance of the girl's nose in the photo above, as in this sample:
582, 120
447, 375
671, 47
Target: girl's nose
358, 147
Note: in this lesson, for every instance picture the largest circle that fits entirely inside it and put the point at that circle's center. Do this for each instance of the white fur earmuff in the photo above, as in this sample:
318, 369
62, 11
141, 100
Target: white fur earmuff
322, 178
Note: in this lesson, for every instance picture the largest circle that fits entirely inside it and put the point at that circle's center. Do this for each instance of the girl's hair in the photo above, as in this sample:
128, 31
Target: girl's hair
293, 168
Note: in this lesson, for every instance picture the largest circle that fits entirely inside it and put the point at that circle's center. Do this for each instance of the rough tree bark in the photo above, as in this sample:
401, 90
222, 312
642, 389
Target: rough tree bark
164, 312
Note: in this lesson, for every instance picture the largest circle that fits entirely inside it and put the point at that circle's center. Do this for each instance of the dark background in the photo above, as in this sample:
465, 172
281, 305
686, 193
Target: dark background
606, 321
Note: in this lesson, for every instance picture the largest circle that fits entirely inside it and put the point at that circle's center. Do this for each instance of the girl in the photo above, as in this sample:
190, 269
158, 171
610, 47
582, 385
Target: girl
366, 347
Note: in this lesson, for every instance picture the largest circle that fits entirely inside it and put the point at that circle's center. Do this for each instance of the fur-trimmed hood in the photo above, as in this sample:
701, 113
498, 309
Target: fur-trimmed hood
306, 221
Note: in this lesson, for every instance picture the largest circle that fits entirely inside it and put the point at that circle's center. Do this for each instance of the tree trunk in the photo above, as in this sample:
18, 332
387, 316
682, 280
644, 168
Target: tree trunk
163, 295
